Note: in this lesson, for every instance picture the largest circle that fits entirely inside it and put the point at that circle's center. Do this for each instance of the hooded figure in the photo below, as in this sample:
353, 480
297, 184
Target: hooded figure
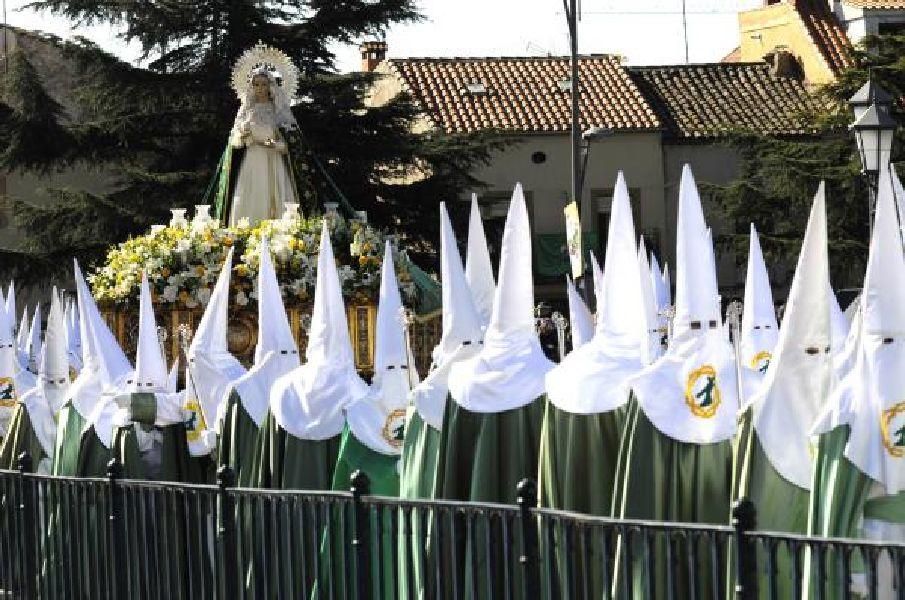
275, 355
597, 275
759, 330
580, 320
860, 463
655, 335
150, 439
301, 436
22, 338
491, 429
588, 393
85, 423
775, 457
478, 268
676, 453
461, 339
31, 413
375, 423
10, 304
211, 368
73, 339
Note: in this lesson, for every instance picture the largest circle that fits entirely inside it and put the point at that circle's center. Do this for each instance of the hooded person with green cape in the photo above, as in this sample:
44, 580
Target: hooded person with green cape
460, 340
32, 428
587, 395
581, 323
211, 368
776, 465
302, 434
84, 425
491, 428
654, 334
676, 448
276, 354
859, 477
375, 426
150, 434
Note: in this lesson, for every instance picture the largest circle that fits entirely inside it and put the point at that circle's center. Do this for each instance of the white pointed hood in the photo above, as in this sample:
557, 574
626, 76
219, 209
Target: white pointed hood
150, 366
173, 377
378, 419
760, 331
22, 337
106, 368
580, 320
899, 192
509, 371
478, 268
213, 368
10, 305
839, 325
597, 276
33, 345
660, 284
74, 337
652, 349
277, 352
799, 376
9, 352
308, 402
593, 378
462, 331
691, 393
44, 401
875, 387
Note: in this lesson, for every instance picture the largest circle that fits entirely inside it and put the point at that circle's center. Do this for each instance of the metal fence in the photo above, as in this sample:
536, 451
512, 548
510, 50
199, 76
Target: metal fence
115, 538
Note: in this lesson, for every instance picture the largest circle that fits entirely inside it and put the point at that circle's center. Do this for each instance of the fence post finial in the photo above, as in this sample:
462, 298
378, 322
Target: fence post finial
526, 497
27, 513
744, 520
116, 524
360, 485
24, 462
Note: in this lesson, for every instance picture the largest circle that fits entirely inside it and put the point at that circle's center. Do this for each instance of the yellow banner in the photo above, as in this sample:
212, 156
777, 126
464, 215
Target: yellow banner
573, 239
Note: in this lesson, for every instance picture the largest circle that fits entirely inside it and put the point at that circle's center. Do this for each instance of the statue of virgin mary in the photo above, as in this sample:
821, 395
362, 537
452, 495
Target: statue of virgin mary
264, 80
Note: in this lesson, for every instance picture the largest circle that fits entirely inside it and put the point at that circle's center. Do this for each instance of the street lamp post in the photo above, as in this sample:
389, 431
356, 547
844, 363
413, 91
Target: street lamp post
874, 130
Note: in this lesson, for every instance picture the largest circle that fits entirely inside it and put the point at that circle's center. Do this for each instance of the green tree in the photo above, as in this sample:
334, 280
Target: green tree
779, 176
160, 129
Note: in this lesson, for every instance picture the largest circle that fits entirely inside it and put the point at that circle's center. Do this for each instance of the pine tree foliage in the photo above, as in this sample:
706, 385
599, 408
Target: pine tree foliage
779, 176
158, 131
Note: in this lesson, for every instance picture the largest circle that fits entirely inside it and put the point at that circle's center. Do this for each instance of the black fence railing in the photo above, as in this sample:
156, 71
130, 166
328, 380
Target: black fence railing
115, 538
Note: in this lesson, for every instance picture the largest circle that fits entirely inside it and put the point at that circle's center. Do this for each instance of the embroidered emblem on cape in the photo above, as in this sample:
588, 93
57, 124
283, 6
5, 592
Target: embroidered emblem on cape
394, 428
761, 361
194, 424
702, 394
892, 429
7, 392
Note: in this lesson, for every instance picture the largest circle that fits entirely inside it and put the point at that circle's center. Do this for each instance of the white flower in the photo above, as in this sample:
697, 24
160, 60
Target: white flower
203, 294
183, 245
241, 298
170, 293
243, 222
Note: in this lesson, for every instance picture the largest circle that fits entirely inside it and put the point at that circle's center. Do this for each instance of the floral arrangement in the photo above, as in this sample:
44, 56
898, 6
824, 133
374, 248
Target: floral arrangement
182, 261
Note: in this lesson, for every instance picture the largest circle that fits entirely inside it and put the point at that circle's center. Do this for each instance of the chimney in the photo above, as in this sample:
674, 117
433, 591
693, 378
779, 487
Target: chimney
372, 54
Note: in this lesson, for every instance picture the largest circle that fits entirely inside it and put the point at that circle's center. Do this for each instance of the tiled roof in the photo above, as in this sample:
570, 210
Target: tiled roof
705, 101
826, 33
877, 4
523, 95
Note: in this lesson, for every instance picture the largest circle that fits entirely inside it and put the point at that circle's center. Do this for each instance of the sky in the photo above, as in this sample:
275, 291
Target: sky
645, 32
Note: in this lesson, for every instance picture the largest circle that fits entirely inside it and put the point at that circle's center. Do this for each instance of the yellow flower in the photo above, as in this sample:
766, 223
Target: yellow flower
199, 270
362, 260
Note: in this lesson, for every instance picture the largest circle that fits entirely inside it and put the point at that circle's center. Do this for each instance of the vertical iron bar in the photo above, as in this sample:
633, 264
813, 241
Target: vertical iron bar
27, 526
226, 533
116, 524
526, 498
360, 486
744, 519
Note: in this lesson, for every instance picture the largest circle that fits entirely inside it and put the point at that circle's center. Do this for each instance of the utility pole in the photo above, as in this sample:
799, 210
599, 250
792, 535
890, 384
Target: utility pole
572, 16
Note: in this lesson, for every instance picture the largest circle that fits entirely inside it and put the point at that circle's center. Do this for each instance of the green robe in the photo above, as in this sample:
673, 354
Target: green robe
20, 437
578, 462
420, 449
240, 443
78, 451
285, 462
839, 493
663, 479
382, 473
483, 457
781, 506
